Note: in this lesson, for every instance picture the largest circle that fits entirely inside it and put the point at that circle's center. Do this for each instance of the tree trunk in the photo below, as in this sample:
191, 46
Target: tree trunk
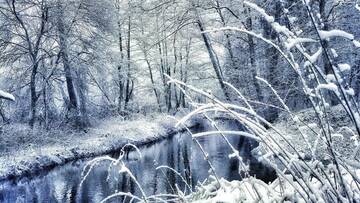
83, 120
33, 95
66, 63
45, 98
252, 53
176, 96
212, 57
272, 64
128, 90
184, 72
143, 46
227, 36
120, 74
73, 106
153, 82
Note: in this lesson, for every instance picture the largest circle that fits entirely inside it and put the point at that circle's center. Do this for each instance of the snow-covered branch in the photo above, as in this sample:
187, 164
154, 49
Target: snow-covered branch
5, 95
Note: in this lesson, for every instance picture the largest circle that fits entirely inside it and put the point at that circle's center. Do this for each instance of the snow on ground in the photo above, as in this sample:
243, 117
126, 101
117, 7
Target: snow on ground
247, 190
25, 151
251, 190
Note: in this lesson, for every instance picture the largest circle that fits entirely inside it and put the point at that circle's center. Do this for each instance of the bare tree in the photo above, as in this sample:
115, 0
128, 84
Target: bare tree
27, 39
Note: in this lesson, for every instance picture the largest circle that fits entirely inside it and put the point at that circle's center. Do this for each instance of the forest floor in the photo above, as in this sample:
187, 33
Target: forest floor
24, 151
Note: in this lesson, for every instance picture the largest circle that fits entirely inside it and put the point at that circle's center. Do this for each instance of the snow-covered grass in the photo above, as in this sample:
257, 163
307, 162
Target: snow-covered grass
24, 150
247, 190
254, 190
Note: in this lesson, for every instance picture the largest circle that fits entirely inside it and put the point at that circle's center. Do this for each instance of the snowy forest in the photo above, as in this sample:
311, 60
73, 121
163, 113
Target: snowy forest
179, 101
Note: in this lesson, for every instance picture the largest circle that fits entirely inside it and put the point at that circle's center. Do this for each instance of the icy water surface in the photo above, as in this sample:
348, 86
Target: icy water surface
179, 152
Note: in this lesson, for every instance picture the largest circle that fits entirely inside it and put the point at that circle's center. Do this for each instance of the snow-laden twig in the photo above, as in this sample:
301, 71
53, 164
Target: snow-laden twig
132, 146
240, 133
5, 95
324, 34
123, 169
90, 166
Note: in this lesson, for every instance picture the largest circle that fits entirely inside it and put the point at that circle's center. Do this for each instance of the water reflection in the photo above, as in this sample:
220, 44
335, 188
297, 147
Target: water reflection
179, 152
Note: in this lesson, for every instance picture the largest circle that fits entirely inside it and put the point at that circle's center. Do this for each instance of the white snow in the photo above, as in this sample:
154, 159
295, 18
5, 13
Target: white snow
330, 78
312, 59
312, 76
293, 19
338, 135
281, 29
329, 86
308, 91
254, 190
344, 67
357, 6
333, 51
270, 19
5, 95
246, 190
356, 43
335, 33
350, 92
291, 42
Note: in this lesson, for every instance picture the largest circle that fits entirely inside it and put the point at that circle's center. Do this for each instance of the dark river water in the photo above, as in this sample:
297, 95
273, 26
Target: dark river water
179, 152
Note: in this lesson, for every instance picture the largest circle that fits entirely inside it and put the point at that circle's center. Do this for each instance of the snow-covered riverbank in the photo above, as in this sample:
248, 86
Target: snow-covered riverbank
32, 154
314, 153
342, 131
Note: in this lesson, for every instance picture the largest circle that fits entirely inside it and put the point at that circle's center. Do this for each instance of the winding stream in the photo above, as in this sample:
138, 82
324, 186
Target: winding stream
179, 152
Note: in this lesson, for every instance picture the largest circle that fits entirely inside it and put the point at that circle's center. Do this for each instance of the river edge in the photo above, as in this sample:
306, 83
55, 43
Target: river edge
106, 138
110, 136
